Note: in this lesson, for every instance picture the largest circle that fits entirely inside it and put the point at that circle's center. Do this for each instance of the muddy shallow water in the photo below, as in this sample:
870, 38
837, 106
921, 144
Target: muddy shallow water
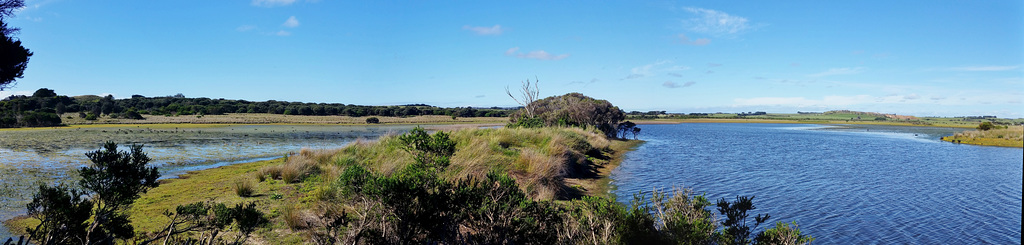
33, 156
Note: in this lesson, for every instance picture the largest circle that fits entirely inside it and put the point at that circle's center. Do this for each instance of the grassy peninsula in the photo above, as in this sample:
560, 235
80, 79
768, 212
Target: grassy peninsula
1012, 136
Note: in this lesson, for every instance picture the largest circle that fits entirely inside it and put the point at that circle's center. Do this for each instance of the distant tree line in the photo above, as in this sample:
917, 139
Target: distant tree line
44, 108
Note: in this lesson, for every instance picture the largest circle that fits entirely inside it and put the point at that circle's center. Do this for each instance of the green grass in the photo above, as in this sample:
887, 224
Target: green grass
546, 162
1012, 136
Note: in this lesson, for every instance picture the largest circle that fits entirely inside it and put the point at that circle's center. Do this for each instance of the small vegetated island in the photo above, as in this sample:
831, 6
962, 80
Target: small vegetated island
539, 180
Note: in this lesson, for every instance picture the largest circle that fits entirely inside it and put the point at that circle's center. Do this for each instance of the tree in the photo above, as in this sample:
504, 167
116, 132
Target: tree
626, 127
62, 213
13, 57
115, 180
528, 96
44, 93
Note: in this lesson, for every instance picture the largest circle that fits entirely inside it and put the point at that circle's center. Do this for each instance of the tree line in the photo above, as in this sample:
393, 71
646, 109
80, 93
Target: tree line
44, 108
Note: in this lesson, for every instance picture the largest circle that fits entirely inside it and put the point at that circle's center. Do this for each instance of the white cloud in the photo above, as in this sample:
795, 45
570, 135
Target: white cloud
984, 68
671, 84
698, 42
272, 3
291, 22
715, 22
482, 30
8, 93
245, 28
537, 54
656, 67
282, 33
833, 100
839, 71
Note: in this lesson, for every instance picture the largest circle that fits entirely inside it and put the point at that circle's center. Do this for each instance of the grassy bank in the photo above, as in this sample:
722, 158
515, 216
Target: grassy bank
1012, 136
548, 164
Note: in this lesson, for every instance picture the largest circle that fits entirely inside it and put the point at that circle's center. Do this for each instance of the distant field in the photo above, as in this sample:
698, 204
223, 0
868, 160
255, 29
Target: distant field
263, 118
831, 119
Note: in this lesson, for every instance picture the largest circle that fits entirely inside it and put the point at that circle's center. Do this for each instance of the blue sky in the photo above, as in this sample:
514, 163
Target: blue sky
925, 58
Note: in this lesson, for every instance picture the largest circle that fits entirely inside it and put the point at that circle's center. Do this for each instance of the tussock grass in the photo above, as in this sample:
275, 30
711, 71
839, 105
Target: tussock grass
539, 159
294, 218
1012, 136
243, 187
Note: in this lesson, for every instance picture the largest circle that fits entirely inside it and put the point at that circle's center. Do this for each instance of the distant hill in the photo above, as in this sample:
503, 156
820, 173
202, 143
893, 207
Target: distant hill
874, 114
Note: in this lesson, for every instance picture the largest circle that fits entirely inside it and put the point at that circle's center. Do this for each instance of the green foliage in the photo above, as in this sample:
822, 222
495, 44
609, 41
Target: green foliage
572, 109
735, 223
526, 122
985, 126
211, 219
15, 57
112, 183
372, 120
63, 213
115, 180
783, 234
434, 152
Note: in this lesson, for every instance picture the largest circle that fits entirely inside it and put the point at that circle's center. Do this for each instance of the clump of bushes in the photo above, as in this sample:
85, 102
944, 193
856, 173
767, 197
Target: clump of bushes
372, 120
572, 109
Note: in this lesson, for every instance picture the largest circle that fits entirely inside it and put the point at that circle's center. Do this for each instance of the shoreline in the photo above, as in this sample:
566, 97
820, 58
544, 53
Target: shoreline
216, 183
823, 122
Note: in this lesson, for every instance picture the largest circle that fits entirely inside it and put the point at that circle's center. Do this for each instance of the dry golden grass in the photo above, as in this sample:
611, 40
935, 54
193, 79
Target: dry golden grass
539, 159
1012, 136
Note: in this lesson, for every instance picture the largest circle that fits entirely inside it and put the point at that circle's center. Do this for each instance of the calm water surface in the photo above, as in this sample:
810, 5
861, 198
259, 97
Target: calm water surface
841, 184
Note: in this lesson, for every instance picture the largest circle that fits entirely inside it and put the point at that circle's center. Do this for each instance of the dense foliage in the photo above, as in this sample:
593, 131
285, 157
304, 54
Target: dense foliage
13, 57
43, 108
572, 109
95, 210
416, 205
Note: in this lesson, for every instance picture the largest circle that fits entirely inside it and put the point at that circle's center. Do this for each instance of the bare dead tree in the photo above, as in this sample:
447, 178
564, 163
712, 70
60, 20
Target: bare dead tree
528, 94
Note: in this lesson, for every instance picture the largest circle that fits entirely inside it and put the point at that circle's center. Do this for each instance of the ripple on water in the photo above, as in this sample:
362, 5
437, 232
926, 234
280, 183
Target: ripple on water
850, 185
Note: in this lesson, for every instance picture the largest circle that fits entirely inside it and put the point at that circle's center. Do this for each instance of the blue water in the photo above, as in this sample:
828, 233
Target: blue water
841, 184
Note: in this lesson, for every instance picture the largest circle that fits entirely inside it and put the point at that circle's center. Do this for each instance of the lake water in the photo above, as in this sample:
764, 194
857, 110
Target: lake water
841, 184
28, 157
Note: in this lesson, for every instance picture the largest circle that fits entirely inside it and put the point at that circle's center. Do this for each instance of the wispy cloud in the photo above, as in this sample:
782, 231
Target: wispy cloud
984, 68
282, 33
272, 3
834, 100
839, 71
698, 42
483, 30
537, 54
715, 22
245, 28
592, 81
291, 22
671, 84
650, 69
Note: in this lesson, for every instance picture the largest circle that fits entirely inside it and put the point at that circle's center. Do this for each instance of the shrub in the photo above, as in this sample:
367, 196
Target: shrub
572, 109
985, 126
372, 120
243, 187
